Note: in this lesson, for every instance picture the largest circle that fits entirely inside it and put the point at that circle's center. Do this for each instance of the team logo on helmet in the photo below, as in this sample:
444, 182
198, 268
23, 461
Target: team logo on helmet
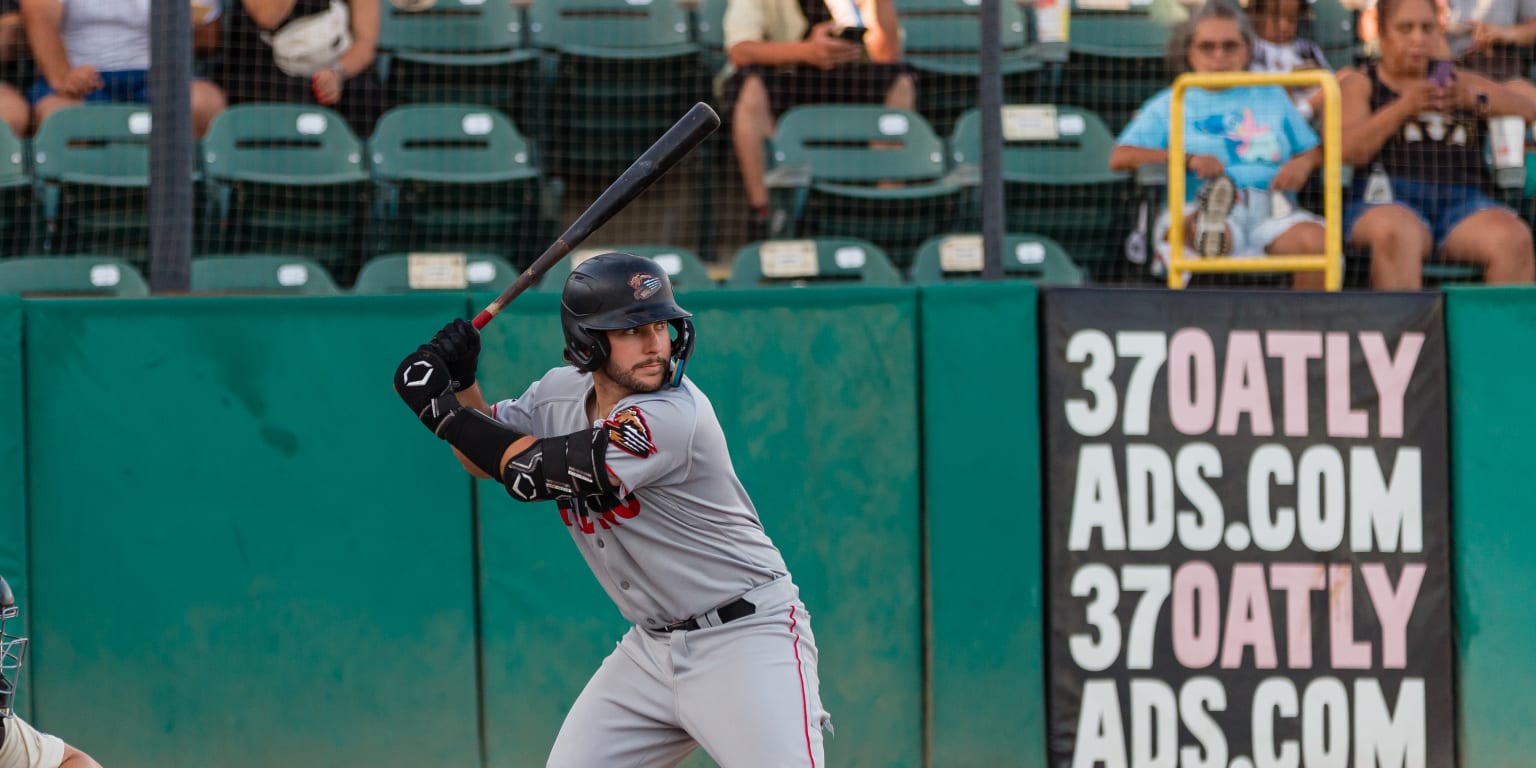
628, 432
645, 285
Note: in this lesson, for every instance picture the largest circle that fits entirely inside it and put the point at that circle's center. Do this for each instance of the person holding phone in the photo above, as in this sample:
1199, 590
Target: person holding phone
789, 52
1414, 127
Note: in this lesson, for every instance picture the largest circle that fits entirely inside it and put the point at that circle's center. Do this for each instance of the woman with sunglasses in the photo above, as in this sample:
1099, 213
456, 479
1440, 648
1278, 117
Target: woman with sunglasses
1248, 150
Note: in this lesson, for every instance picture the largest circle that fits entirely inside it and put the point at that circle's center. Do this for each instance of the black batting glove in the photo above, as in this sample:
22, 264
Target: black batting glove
458, 344
423, 381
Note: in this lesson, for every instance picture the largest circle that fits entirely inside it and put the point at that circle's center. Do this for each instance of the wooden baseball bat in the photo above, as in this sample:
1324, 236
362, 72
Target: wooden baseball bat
659, 158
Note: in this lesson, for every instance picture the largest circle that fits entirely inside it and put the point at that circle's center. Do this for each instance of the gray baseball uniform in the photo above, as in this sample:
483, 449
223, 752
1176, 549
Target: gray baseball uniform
681, 544
26, 747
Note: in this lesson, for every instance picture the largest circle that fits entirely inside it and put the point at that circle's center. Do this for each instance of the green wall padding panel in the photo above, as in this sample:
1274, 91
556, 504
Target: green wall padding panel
13, 472
816, 392
1491, 333
981, 437
246, 552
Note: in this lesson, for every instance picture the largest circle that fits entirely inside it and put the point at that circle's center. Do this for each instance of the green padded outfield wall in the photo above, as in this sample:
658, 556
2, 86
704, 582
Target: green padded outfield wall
981, 435
13, 469
1492, 340
817, 393
245, 552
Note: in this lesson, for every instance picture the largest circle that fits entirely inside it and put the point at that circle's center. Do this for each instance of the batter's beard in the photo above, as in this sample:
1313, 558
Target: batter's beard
631, 381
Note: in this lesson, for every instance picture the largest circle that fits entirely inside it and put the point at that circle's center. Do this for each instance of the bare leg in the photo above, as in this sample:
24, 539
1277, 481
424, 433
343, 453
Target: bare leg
15, 110
1306, 239
207, 102
51, 104
751, 126
902, 94
1399, 243
1495, 240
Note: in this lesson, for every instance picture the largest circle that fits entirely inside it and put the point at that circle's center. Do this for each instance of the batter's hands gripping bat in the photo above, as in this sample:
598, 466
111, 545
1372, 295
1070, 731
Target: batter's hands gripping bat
681, 138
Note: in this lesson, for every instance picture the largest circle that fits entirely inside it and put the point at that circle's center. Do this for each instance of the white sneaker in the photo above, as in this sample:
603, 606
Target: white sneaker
1213, 206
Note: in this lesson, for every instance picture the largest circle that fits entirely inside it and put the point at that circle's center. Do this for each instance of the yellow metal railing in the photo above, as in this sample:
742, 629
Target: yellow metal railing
1330, 262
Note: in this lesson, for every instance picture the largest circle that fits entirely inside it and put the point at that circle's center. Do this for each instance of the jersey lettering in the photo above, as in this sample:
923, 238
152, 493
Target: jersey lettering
587, 520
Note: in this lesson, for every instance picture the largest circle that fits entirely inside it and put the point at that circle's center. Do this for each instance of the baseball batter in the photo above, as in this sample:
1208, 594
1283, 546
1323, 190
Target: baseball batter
21, 745
721, 654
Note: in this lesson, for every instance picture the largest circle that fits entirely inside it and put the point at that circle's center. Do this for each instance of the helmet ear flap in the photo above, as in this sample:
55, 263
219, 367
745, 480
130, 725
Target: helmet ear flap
586, 350
682, 347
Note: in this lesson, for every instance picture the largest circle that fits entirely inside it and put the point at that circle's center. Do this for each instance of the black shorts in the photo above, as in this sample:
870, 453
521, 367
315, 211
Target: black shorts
863, 83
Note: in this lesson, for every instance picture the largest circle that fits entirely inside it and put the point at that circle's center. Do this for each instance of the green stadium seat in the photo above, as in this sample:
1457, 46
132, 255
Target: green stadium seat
72, 275
91, 176
15, 195
392, 273
798, 263
1333, 29
1058, 186
261, 274
461, 51
1116, 58
686, 271
948, 258
942, 41
623, 71
456, 177
286, 177
860, 171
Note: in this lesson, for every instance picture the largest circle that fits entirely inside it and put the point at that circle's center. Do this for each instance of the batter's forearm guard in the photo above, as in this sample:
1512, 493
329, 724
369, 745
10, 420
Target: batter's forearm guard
480, 438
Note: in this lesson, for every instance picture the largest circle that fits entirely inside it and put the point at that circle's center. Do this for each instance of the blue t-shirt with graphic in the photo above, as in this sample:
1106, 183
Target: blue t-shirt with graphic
1252, 130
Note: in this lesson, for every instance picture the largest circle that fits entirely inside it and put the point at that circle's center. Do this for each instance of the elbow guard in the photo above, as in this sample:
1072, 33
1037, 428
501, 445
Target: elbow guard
561, 467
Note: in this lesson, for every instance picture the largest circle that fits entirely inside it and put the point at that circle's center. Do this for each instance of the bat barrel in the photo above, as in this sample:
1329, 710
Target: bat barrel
687, 133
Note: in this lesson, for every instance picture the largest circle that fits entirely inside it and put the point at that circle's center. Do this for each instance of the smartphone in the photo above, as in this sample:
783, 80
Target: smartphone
1441, 72
851, 34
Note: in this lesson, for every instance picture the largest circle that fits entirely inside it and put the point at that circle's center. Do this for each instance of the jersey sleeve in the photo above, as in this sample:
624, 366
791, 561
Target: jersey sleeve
650, 442
27, 747
1149, 128
516, 412
743, 22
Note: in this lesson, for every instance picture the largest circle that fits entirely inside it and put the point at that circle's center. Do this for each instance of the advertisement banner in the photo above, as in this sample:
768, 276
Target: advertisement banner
1247, 530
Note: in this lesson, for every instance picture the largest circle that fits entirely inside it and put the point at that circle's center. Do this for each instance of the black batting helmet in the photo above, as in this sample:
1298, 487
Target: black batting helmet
614, 291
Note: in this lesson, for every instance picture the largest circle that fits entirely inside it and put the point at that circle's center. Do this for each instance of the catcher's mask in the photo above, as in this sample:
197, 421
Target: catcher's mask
615, 291
13, 648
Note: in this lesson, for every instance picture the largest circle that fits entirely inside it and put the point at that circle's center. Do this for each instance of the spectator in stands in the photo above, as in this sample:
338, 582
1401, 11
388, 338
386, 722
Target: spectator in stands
14, 109
1420, 185
1248, 150
340, 76
788, 52
1276, 48
1492, 38
97, 51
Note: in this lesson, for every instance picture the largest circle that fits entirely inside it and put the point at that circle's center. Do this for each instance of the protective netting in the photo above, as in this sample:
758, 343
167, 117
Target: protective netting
484, 126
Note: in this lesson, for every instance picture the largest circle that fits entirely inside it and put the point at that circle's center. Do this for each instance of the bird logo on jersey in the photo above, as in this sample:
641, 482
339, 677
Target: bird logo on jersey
645, 285
628, 432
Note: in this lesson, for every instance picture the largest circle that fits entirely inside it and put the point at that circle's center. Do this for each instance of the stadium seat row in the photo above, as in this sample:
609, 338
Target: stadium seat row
788, 263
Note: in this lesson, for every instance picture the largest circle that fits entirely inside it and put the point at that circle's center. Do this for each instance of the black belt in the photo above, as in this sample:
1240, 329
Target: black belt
736, 609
